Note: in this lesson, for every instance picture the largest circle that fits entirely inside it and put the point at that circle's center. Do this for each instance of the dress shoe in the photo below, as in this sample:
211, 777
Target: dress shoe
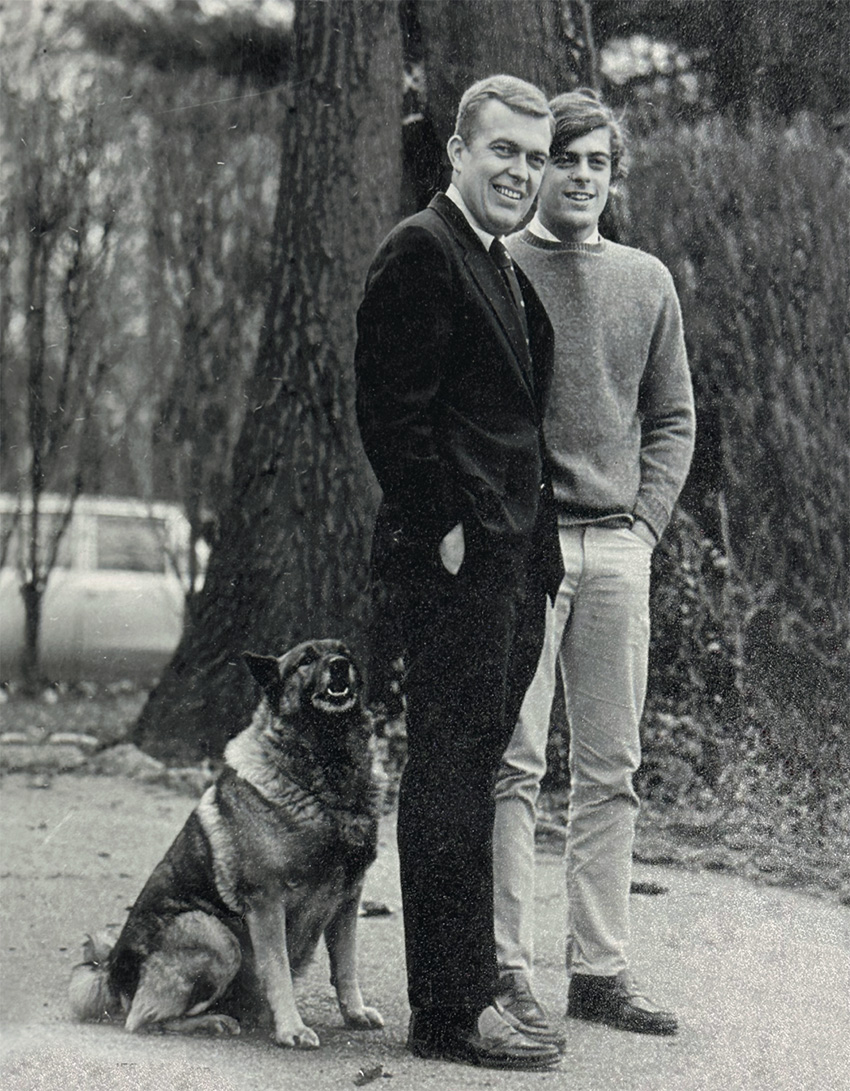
492, 1042
521, 1007
617, 1002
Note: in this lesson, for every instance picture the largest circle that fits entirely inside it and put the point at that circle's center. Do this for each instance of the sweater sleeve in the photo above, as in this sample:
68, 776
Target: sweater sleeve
668, 424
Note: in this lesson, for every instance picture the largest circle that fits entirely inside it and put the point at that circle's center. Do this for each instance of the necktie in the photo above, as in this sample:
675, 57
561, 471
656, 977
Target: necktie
506, 268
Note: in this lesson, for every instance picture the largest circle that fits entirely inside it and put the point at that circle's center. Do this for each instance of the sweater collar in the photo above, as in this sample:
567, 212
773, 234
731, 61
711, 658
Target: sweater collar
536, 228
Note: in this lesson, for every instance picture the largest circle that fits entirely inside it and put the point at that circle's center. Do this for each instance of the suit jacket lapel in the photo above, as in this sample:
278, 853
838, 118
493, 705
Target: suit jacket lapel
486, 275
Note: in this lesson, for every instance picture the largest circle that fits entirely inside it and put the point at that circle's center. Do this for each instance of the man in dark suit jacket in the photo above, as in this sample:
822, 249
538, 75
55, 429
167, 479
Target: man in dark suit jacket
453, 362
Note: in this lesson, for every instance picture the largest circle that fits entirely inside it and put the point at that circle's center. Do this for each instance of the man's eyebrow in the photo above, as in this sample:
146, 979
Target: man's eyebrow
512, 144
591, 155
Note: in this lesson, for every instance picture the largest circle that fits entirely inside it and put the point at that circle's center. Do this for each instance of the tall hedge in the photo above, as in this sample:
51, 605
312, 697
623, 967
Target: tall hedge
752, 597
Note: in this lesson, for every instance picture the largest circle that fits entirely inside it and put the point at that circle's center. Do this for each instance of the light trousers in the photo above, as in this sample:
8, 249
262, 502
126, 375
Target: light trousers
598, 629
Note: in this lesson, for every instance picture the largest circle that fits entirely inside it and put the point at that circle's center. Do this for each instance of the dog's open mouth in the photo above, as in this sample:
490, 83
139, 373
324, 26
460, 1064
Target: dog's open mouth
338, 692
334, 701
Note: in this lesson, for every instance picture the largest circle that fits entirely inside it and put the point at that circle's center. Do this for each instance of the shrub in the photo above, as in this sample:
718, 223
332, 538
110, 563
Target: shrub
752, 598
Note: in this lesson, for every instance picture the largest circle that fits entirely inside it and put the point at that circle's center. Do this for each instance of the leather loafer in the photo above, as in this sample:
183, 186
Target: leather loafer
617, 1002
522, 1008
493, 1042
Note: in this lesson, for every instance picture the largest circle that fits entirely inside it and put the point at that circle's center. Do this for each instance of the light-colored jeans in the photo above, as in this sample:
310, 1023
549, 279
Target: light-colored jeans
599, 630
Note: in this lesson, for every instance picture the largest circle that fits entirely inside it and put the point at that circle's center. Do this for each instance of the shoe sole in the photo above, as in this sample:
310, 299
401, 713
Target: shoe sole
666, 1030
470, 1057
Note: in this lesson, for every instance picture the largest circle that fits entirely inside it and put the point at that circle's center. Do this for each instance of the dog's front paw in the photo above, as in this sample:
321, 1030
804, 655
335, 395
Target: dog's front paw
363, 1018
223, 1026
301, 1037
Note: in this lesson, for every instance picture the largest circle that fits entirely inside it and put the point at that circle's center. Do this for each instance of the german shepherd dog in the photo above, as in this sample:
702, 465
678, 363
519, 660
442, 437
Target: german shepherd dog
272, 858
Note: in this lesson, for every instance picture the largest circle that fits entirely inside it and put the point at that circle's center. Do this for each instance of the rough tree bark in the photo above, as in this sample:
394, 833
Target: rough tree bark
452, 43
548, 42
291, 559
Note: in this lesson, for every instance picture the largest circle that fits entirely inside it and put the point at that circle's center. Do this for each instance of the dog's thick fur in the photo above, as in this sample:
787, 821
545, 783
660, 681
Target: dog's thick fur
272, 858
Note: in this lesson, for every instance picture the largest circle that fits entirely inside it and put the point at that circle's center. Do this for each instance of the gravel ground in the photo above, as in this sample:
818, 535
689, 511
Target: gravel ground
758, 975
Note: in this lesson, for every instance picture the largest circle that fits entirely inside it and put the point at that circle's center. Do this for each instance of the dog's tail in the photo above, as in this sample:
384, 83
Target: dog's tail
90, 993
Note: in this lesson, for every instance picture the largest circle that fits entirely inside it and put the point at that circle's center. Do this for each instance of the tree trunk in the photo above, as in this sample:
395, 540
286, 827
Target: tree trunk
290, 562
32, 587
547, 42
33, 596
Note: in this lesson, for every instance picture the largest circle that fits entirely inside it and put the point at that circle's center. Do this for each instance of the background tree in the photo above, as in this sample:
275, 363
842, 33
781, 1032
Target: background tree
211, 183
290, 560
738, 56
451, 43
247, 41
548, 43
194, 241
60, 340
196, 155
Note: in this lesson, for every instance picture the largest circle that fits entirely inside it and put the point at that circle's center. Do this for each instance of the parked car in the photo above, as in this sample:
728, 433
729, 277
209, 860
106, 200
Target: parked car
114, 602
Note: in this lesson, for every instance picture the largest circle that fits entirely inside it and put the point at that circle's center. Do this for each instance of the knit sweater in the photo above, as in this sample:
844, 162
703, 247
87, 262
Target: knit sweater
619, 424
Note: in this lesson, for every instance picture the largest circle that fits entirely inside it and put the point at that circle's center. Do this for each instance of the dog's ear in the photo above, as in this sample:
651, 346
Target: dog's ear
266, 671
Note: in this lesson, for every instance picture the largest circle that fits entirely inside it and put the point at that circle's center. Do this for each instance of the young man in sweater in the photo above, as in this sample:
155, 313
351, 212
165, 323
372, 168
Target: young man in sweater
619, 432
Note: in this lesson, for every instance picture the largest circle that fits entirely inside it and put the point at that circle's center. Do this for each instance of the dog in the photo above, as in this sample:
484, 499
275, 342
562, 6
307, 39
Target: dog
273, 857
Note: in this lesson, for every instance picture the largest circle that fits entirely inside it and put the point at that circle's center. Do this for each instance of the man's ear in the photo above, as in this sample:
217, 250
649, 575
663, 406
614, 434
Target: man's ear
453, 149
266, 671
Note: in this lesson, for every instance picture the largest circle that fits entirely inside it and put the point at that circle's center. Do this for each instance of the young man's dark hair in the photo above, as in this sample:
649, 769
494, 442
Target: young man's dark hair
581, 111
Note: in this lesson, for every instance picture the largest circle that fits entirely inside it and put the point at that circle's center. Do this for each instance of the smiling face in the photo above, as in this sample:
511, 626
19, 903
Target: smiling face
499, 170
575, 187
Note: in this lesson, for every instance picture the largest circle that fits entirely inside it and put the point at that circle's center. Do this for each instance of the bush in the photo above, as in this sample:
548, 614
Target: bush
752, 597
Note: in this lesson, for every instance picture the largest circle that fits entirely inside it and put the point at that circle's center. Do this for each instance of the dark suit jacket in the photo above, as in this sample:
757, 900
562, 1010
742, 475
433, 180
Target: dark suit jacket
449, 397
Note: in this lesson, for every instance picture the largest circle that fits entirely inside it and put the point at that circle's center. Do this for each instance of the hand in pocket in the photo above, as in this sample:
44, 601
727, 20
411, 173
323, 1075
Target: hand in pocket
452, 550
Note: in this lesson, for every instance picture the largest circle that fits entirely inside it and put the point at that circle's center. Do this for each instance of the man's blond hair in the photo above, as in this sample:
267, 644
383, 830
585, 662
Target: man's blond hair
515, 93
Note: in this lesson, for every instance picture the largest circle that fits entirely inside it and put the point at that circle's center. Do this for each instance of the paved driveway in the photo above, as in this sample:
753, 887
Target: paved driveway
759, 977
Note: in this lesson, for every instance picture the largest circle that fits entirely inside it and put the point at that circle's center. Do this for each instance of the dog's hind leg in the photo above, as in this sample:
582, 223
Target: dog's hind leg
195, 961
267, 927
341, 940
